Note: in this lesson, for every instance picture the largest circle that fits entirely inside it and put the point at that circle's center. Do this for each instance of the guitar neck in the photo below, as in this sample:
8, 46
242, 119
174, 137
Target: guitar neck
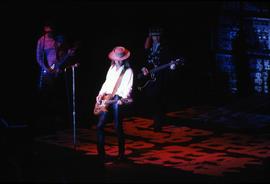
123, 100
154, 70
65, 57
111, 101
63, 60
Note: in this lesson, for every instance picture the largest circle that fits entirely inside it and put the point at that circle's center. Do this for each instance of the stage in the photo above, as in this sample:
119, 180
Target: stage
191, 147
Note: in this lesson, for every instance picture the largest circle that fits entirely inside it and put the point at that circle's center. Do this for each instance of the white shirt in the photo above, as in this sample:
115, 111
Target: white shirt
125, 88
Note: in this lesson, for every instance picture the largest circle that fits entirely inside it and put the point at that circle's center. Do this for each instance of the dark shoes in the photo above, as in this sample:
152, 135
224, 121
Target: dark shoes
110, 160
156, 126
106, 160
122, 157
157, 129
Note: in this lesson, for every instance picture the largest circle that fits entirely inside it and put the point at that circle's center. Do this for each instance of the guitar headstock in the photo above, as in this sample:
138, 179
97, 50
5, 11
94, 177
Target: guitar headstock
178, 61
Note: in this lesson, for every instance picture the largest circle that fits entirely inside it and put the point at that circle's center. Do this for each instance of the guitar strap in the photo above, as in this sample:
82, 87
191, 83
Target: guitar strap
118, 82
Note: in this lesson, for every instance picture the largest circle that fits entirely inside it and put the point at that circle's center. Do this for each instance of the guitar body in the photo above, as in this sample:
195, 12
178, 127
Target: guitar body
59, 66
47, 76
106, 100
145, 81
103, 105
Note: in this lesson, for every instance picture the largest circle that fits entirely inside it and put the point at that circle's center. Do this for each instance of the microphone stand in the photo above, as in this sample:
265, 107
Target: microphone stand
74, 104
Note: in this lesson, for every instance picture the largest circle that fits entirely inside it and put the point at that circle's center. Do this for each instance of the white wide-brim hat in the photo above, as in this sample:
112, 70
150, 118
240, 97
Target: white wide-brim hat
119, 53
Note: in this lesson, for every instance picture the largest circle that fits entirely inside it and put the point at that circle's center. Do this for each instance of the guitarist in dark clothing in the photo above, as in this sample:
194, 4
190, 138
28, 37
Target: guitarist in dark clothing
157, 55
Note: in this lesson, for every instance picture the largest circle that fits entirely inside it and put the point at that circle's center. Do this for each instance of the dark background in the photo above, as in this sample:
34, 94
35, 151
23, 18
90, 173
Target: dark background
100, 26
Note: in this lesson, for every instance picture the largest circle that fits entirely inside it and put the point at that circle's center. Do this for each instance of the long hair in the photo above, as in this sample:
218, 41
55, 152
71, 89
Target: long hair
124, 62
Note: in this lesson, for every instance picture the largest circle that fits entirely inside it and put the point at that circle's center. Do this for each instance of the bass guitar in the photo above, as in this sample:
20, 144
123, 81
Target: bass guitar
58, 67
106, 100
151, 77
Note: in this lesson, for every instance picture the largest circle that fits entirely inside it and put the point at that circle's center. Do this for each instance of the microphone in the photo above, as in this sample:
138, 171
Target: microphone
76, 65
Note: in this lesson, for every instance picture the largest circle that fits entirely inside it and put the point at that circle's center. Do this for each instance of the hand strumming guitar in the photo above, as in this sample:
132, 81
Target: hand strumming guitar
99, 98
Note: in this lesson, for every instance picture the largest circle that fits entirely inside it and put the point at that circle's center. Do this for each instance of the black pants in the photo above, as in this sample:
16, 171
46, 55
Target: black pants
53, 107
117, 116
154, 98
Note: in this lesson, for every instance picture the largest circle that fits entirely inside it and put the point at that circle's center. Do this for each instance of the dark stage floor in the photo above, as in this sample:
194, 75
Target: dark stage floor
194, 146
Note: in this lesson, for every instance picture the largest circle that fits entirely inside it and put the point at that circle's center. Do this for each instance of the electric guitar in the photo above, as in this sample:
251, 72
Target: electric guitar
106, 100
58, 67
151, 77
